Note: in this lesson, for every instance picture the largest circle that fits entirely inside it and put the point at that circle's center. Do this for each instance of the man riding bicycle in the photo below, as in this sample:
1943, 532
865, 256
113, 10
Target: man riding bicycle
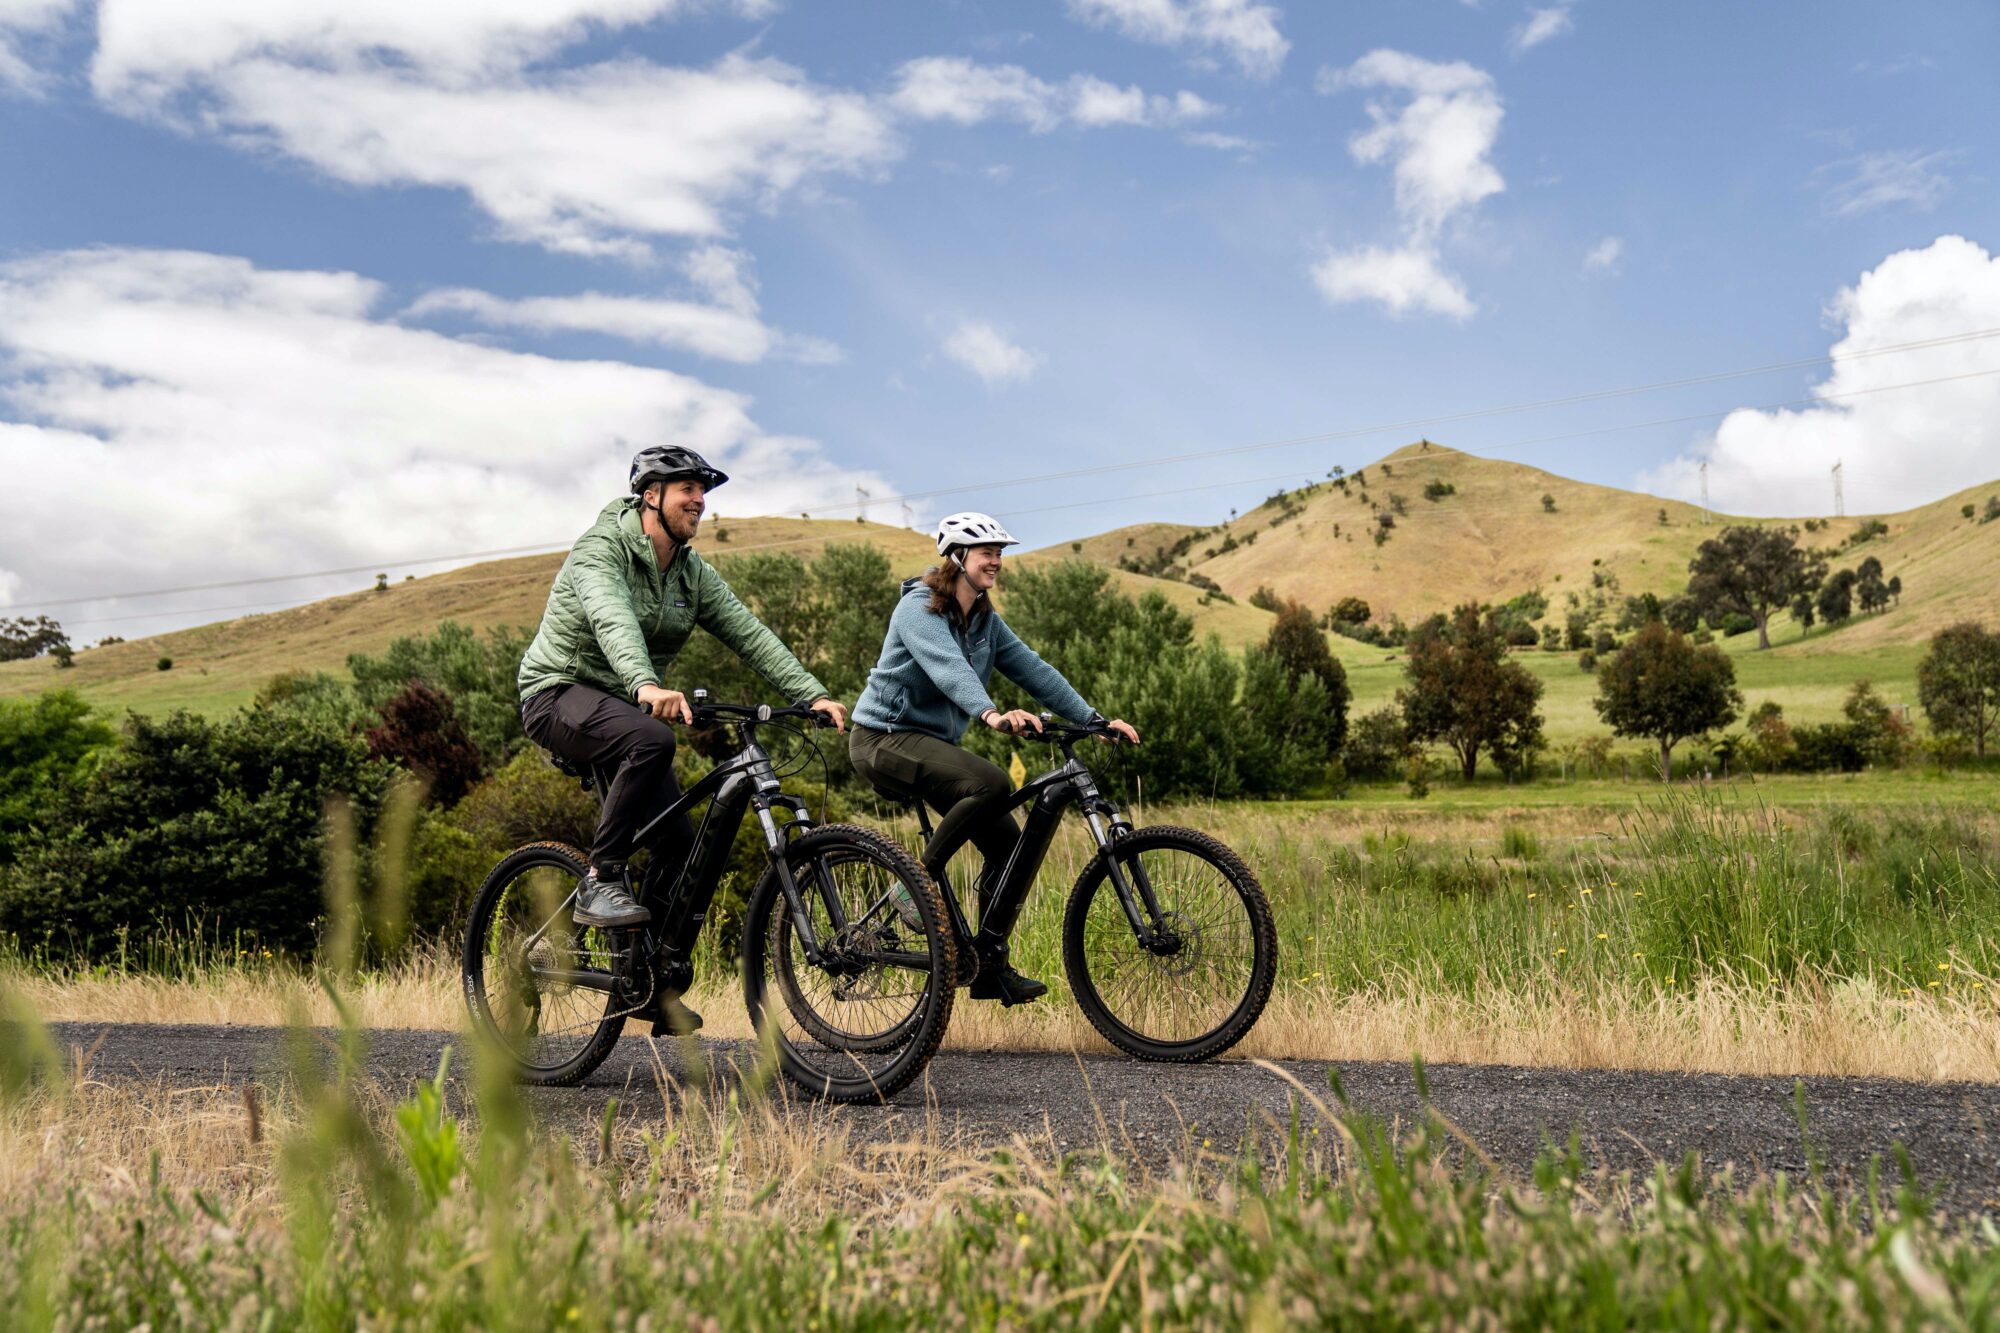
630, 592
944, 642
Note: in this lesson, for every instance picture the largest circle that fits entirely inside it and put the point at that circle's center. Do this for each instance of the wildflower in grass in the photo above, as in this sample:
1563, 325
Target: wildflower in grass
1602, 936
1561, 952
1588, 892
1532, 897
1944, 967
1935, 984
1638, 955
1638, 893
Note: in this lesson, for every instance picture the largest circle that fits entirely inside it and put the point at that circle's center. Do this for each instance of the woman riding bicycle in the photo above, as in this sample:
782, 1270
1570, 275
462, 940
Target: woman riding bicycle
944, 642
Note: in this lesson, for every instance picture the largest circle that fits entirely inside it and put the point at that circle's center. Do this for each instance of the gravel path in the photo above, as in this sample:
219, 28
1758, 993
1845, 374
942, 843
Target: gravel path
1626, 1119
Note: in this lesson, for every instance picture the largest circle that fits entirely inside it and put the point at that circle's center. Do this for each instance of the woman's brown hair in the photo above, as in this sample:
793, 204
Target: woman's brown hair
942, 580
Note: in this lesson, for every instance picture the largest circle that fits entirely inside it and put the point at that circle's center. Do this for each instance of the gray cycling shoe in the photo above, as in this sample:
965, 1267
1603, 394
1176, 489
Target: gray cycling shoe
607, 903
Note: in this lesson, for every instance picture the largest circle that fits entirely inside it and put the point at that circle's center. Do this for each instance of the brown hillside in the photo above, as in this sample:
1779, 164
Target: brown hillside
1491, 539
220, 666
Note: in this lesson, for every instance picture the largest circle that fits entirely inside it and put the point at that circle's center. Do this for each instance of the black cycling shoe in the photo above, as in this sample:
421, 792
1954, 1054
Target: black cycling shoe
675, 1018
1000, 981
607, 903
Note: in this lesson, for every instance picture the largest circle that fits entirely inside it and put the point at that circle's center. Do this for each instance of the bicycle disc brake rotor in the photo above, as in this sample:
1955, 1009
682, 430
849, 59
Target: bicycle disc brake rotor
855, 980
1186, 955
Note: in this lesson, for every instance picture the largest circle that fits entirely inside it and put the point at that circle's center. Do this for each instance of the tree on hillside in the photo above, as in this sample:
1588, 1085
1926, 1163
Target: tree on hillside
1869, 589
1349, 611
1299, 644
1548, 504
28, 636
1662, 687
1802, 610
1752, 571
1958, 683
1464, 692
1835, 602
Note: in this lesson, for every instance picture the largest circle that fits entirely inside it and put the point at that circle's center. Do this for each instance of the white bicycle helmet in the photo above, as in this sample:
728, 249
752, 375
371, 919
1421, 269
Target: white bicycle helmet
971, 529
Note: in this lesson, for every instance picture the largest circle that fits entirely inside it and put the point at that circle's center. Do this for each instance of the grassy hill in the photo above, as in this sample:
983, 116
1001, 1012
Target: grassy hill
1490, 538
219, 667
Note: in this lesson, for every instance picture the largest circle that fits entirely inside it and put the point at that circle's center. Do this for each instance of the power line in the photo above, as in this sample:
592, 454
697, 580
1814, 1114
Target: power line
550, 548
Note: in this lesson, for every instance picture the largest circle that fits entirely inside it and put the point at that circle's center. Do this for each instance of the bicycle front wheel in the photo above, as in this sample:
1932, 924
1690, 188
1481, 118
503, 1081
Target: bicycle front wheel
538, 985
859, 1020
1203, 981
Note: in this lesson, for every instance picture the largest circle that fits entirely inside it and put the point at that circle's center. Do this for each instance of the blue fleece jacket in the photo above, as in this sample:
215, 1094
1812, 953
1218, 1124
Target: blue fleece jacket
933, 671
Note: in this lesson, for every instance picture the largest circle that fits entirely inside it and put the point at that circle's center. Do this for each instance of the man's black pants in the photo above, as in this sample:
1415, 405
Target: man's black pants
591, 729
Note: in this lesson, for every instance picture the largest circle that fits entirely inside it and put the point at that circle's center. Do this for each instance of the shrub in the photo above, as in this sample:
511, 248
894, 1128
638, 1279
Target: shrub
1265, 600
1825, 747
1548, 504
1437, 490
196, 824
478, 674
1376, 745
46, 741
1349, 611
420, 729
1737, 622
314, 697
164, 664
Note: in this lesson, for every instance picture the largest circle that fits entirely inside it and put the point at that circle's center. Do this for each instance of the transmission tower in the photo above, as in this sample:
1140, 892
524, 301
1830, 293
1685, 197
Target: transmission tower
1839, 500
861, 503
1704, 492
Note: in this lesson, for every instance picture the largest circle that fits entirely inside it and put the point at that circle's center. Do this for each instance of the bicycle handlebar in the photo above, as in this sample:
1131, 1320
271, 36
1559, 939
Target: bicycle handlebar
1056, 733
706, 713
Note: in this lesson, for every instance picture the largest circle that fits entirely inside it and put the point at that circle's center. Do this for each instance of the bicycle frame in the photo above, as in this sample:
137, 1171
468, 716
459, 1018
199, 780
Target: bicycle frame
1048, 796
679, 894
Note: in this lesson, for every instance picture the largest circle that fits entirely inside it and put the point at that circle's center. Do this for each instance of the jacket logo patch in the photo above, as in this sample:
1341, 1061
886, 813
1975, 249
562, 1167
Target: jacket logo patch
680, 601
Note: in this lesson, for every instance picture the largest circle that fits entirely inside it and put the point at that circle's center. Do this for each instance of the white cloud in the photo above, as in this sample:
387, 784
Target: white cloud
589, 160
26, 25
1899, 447
1438, 138
987, 353
726, 327
965, 92
1244, 30
1540, 26
1226, 143
178, 417
1605, 256
1870, 181
1404, 280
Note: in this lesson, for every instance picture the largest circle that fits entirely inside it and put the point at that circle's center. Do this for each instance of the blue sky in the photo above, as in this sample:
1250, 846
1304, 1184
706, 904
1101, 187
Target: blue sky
314, 285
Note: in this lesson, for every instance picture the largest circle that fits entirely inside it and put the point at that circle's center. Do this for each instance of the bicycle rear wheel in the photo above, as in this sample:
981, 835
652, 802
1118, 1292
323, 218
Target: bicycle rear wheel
1195, 992
539, 986
862, 1022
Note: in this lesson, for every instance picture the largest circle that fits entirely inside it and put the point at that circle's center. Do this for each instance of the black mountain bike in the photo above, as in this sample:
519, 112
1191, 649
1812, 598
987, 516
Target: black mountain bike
1168, 940
853, 992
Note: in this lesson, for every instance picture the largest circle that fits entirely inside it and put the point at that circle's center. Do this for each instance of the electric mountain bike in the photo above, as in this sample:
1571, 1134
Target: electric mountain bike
848, 958
1168, 940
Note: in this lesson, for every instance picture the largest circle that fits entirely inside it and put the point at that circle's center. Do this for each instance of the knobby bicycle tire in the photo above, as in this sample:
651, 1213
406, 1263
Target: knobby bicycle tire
562, 1073
1262, 934
766, 923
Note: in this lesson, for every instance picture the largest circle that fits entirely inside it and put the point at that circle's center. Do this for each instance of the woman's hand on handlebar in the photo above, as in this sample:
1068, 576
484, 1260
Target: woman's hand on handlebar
1123, 728
667, 705
1018, 722
833, 709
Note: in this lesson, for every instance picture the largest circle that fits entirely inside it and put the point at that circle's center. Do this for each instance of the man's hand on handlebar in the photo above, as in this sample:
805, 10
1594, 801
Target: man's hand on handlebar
1018, 722
667, 705
831, 708
1123, 728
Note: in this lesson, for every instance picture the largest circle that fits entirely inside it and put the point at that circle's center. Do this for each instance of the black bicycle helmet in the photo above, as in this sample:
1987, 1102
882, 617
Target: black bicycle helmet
670, 462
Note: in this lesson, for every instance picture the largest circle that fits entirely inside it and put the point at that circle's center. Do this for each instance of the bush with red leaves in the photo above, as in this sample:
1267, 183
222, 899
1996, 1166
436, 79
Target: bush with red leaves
421, 731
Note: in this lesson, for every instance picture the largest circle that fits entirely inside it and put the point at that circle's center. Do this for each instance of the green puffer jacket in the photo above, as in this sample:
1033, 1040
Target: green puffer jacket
615, 622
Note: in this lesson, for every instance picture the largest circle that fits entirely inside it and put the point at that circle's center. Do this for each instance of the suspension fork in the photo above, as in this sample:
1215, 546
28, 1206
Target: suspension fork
1135, 895
795, 903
